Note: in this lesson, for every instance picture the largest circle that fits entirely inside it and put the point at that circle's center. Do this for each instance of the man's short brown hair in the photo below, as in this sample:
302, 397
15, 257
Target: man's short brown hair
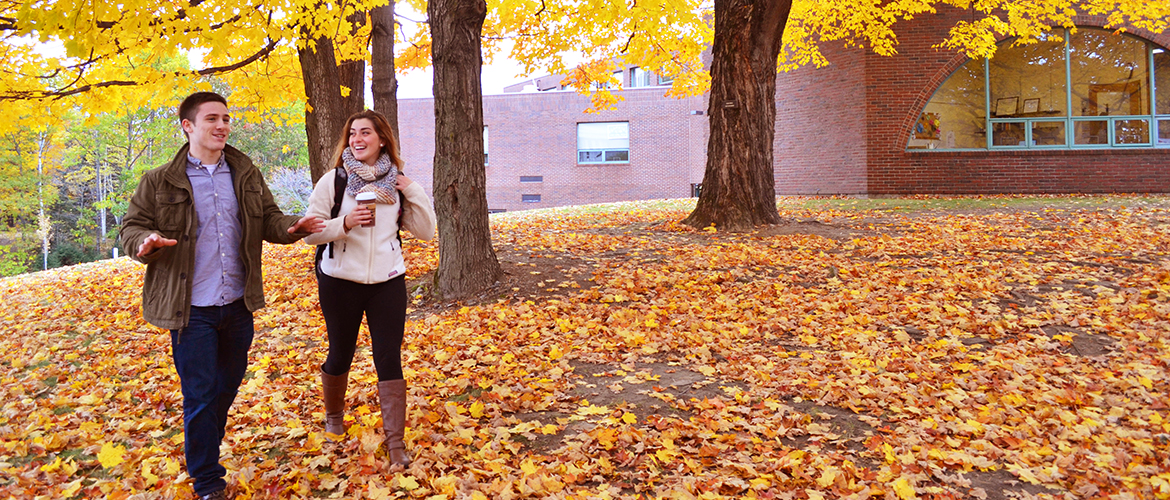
190, 106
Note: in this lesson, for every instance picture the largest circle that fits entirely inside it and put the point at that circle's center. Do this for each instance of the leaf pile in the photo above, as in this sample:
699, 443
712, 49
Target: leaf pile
935, 354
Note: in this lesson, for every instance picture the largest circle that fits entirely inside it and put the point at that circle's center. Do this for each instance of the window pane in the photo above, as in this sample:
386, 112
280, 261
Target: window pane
1164, 132
531, 178
954, 117
609, 135
1022, 73
589, 156
1091, 132
1131, 131
1109, 74
620, 155
1162, 79
1007, 134
639, 77
530, 198
1047, 133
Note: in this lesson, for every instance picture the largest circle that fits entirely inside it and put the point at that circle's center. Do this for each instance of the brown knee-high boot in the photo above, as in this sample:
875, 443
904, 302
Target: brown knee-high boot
392, 397
333, 387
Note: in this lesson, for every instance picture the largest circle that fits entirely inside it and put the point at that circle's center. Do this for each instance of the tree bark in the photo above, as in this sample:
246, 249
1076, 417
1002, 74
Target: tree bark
327, 111
467, 262
739, 187
385, 83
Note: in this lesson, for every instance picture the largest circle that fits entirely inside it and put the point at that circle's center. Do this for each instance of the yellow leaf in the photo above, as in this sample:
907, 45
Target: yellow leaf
71, 490
814, 495
53, 466
555, 353
629, 418
407, 483
477, 409
904, 490
528, 467
110, 456
146, 473
377, 493
828, 476
706, 370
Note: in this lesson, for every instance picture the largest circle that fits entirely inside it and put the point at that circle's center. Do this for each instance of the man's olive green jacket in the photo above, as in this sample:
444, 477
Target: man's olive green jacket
164, 204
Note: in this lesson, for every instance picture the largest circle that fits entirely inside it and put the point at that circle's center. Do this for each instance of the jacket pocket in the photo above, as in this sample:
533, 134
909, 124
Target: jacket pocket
251, 201
172, 209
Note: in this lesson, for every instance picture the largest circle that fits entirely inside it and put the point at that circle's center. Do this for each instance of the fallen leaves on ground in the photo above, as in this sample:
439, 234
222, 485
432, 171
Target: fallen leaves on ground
938, 354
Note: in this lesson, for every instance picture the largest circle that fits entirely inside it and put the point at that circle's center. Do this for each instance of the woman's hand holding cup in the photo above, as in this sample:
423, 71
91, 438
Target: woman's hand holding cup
359, 216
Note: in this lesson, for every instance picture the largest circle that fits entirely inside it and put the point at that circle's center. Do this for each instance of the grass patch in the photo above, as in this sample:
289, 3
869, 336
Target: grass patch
923, 203
470, 392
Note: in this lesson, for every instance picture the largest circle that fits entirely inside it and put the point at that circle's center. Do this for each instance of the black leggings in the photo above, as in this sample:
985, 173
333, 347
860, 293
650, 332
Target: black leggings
384, 305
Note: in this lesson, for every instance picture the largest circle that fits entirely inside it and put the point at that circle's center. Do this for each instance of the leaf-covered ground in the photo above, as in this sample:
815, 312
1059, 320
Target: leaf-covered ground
896, 349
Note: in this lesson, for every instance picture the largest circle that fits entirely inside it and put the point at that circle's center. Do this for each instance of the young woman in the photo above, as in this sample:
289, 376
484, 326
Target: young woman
363, 272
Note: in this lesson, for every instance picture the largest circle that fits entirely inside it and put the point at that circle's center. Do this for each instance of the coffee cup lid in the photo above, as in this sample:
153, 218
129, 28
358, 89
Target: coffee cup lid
366, 196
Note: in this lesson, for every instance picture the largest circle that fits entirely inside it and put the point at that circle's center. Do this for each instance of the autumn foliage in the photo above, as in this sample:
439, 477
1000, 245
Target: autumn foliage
849, 354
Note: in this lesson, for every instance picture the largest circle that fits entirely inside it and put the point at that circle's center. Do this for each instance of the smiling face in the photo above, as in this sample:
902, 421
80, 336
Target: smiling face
209, 132
364, 141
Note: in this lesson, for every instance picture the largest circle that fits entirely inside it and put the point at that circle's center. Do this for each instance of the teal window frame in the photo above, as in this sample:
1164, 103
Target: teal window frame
1070, 121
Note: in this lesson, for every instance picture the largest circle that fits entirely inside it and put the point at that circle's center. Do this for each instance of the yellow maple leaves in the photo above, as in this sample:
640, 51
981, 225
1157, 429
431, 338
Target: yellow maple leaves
714, 379
111, 455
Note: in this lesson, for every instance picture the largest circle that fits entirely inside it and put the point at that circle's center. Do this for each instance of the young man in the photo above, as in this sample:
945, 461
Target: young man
198, 223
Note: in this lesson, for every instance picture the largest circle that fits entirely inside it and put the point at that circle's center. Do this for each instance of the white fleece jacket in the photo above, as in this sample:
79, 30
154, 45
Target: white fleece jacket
368, 254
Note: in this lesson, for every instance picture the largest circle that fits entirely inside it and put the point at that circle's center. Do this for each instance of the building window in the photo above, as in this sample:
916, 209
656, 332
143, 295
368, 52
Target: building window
639, 77
497, 210
665, 80
531, 178
696, 189
530, 198
1088, 89
605, 142
617, 75
485, 145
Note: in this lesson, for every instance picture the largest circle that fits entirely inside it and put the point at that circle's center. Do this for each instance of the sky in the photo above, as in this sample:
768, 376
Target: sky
501, 73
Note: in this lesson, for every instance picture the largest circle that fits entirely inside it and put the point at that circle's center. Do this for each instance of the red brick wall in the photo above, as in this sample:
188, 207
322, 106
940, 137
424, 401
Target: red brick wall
898, 87
820, 126
535, 134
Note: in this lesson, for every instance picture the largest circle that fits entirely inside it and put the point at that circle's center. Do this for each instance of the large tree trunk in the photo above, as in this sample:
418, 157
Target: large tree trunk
467, 262
739, 188
327, 110
385, 84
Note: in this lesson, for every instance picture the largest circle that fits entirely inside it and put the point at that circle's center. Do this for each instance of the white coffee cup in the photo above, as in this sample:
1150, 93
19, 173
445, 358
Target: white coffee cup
370, 200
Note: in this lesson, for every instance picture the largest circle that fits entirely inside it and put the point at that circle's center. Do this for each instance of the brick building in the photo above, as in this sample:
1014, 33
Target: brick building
650, 147
1080, 111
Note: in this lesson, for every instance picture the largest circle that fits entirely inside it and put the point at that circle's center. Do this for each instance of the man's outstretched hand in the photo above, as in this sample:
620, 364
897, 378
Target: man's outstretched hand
307, 224
154, 242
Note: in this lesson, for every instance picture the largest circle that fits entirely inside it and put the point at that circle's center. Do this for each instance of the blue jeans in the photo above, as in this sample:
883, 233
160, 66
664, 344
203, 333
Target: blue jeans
211, 356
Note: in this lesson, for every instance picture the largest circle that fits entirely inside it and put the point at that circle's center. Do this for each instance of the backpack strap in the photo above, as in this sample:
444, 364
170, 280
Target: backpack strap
340, 178
401, 210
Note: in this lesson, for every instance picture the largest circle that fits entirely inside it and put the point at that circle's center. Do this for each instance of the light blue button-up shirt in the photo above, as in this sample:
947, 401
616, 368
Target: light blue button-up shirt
219, 269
